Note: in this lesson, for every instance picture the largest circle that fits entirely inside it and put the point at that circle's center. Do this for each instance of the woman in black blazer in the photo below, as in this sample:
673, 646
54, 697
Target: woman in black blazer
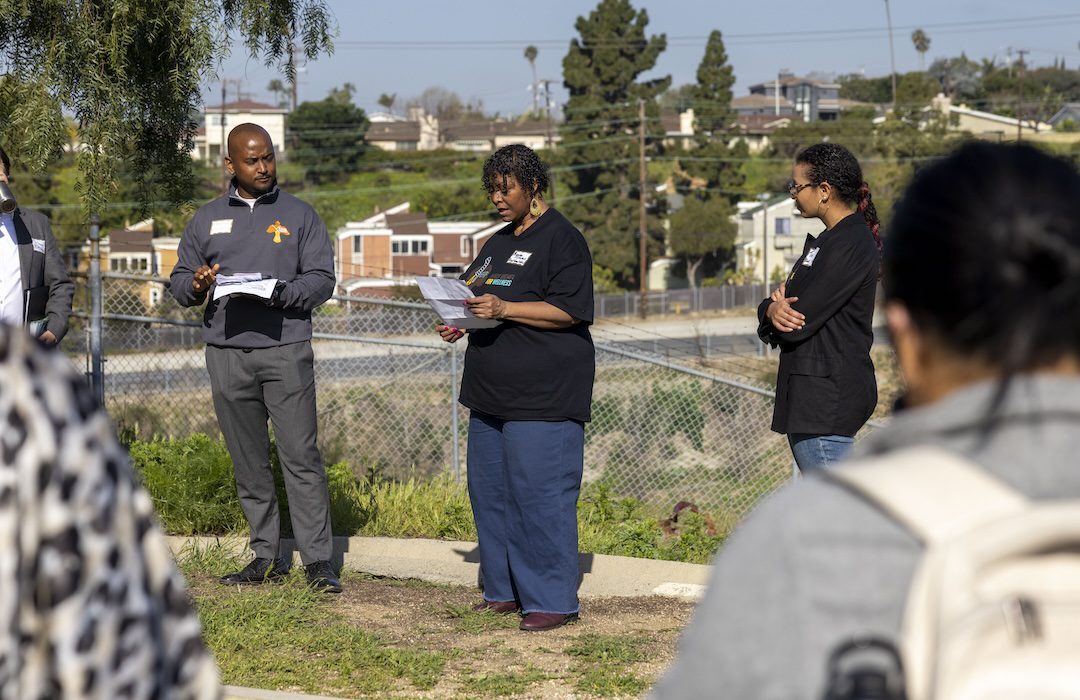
820, 317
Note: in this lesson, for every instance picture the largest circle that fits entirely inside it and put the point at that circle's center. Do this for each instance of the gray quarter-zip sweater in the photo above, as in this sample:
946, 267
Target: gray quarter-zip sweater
815, 564
280, 236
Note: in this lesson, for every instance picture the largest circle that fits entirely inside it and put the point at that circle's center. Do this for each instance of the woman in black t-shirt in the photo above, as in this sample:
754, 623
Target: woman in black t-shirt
528, 382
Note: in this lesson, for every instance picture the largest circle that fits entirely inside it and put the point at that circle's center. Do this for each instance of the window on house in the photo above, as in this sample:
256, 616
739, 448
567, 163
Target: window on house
783, 226
114, 264
144, 264
398, 247
357, 245
466, 248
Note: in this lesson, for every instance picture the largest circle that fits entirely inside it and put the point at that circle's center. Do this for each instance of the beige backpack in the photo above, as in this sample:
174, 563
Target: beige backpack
993, 612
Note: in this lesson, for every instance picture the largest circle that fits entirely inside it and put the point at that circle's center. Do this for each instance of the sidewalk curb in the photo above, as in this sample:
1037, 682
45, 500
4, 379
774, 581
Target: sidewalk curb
455, 562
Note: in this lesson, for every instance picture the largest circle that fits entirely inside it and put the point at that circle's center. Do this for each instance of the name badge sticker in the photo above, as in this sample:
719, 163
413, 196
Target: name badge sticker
520, 257
220, 226
810, 255
39, 244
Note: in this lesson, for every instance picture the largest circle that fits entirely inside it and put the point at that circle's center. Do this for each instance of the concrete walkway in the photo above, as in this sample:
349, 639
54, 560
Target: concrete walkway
451, 562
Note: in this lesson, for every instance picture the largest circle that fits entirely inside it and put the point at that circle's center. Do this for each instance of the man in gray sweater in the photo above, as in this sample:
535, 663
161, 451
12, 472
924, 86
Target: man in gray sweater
258, 351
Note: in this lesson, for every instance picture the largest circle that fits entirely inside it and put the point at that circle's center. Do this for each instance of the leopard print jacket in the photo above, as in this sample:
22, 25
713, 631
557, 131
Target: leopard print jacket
91, 602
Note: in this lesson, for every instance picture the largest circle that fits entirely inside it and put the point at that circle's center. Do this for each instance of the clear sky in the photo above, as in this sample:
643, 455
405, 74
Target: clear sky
476, 48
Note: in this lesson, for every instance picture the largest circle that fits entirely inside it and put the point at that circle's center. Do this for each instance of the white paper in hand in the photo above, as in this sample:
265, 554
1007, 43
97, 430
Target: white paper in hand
447, 298
246, 283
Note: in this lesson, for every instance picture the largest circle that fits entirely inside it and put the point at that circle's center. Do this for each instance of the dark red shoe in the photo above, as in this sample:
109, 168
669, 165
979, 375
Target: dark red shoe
540, 621
501, 607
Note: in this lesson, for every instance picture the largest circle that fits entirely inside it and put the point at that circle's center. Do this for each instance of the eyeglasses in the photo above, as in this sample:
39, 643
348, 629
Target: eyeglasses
794, 189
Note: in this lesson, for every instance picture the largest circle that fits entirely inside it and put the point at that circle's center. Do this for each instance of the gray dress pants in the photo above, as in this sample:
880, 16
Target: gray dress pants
249, 386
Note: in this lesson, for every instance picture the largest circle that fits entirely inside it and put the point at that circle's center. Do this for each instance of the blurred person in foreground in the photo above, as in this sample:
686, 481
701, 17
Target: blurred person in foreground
528, 383
982, 284
821, 316
259, 354
35, 290
91, 603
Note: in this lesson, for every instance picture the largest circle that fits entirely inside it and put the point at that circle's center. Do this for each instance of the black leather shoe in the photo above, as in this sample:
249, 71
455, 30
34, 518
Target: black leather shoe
260, 570
321, 577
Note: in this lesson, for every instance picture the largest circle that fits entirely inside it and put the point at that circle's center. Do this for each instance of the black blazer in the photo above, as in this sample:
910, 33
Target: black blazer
47, 289
826, 384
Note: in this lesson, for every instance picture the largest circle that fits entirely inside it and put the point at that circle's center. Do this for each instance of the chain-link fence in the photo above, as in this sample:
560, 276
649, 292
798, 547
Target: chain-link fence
663, 430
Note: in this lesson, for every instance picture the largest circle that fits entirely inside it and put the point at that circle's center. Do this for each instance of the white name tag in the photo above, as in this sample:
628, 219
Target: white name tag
519, 257
39, 244
220, 226
810, 255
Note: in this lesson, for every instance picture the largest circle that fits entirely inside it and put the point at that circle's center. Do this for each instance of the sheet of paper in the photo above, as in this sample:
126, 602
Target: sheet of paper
261, 288
240, 277
447, 298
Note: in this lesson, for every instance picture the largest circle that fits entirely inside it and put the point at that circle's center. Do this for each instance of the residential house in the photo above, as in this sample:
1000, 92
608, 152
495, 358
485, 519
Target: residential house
983, 125
760, 104
757, 129
134, 251
394, 246
774, 227
1069, 112
679, 128
390, 132
813, 97
423, 132
218, 120
487, 136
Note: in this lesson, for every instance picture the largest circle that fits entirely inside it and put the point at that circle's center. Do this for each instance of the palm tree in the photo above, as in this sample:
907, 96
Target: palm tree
922, 45
530, 56
279, 90
387, 102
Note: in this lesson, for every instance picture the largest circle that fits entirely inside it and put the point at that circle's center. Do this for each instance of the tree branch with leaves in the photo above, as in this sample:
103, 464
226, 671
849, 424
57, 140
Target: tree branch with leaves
131, 75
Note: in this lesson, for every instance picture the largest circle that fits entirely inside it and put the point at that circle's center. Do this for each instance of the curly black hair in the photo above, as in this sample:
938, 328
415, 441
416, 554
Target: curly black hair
832, 163
517, 161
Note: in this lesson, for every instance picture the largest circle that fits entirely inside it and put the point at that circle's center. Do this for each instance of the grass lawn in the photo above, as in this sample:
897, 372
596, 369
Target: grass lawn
394, 638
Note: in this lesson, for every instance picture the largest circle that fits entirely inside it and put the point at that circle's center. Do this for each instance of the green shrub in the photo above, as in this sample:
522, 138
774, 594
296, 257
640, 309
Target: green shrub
191, 483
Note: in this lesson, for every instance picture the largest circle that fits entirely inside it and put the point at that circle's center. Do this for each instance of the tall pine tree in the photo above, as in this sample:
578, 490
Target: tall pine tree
703, 229
714, 125
600, 130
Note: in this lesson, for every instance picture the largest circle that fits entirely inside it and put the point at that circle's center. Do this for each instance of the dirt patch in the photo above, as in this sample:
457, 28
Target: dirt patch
617, 649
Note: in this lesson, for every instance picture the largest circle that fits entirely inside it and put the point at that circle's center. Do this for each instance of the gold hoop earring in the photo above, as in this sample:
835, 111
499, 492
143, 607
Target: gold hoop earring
534, 207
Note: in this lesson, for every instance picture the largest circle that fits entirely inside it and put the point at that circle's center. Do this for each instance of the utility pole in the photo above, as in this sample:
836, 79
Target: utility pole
892, 54
1020, 98
221, 118
642, 248
764, 199
293, 80
224, 146
548, 136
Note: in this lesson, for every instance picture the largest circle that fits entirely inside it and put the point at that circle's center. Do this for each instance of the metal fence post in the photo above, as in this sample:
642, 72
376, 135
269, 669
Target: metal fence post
455, 450
97, 363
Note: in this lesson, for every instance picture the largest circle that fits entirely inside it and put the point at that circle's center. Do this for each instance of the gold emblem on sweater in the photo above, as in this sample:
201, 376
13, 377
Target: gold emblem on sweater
278, 230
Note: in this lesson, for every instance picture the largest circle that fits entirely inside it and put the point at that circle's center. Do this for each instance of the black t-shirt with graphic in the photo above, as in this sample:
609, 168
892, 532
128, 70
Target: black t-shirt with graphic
515, 371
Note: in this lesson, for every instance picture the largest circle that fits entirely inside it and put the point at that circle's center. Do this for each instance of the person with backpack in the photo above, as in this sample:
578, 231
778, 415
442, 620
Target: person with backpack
943, 560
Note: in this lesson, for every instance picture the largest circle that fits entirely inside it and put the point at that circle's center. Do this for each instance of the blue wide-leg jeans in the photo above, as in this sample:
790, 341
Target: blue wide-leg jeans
524, 480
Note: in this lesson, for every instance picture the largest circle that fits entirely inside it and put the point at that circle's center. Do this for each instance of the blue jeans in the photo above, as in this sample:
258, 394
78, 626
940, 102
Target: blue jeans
818, 451
524, 480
